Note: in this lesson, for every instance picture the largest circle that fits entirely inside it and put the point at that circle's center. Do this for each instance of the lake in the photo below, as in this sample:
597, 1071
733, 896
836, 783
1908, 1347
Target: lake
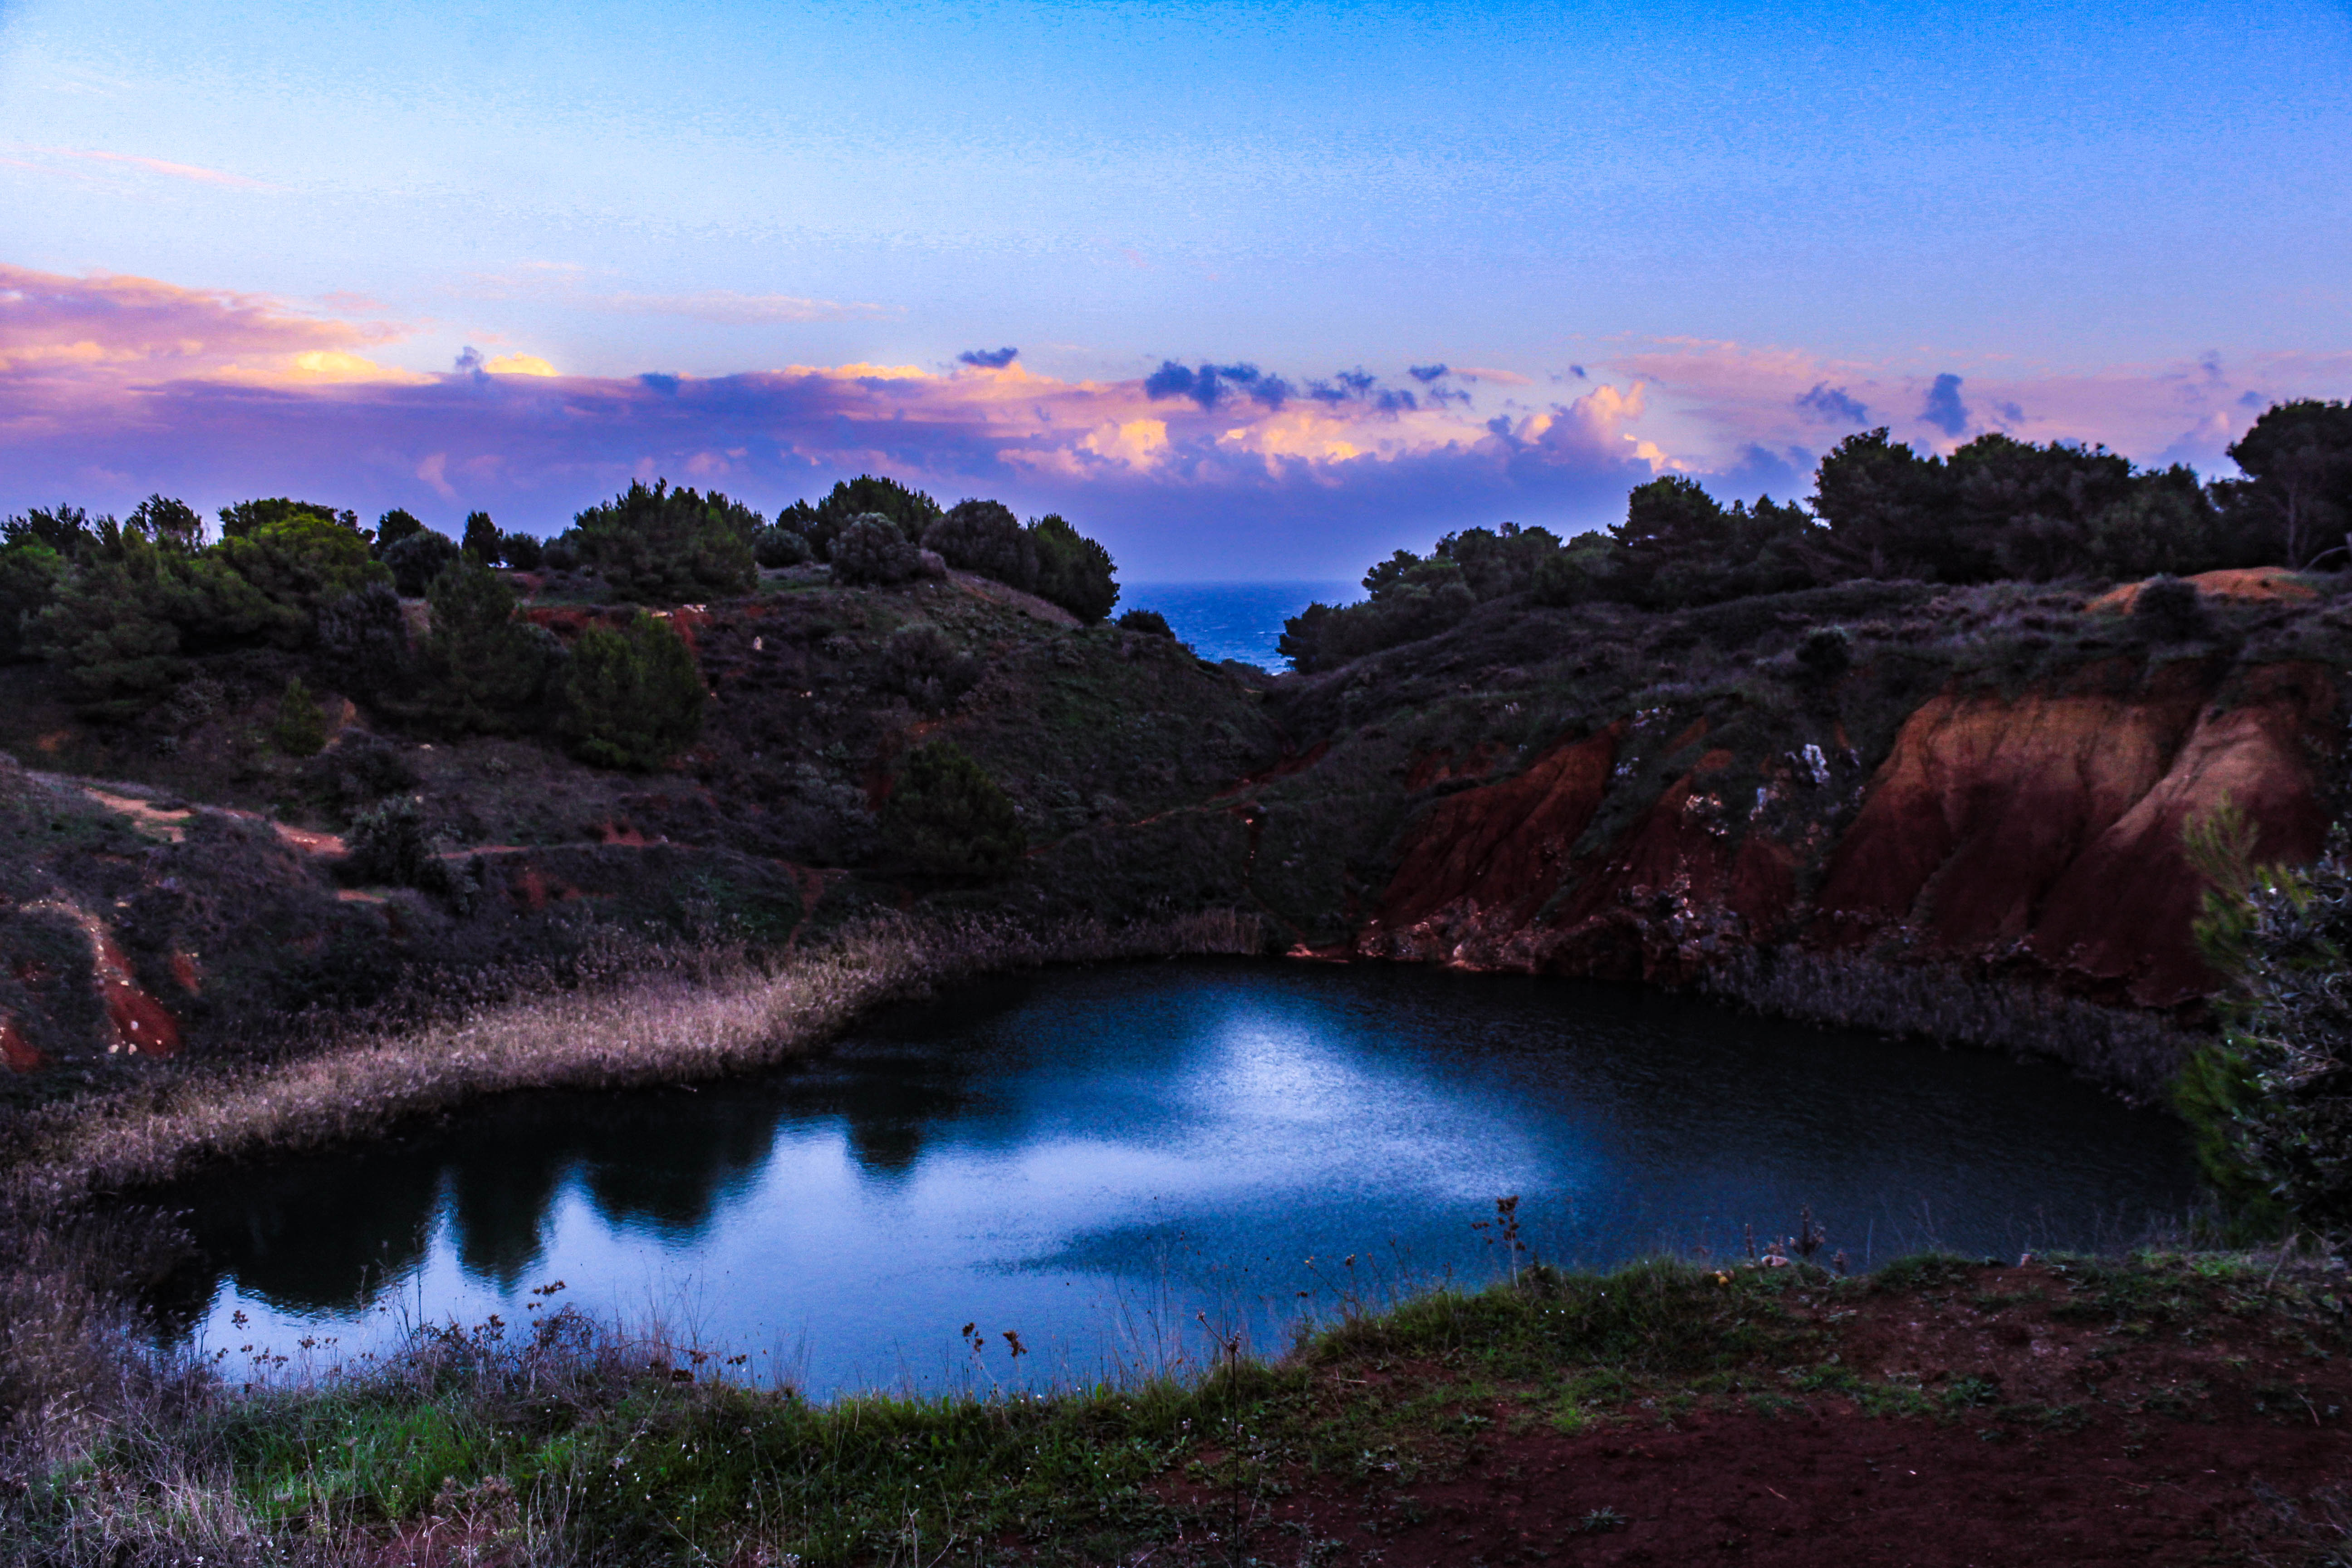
1114, 1162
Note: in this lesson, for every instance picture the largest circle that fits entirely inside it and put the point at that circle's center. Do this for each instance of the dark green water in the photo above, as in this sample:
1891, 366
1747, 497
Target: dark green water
1090, 1158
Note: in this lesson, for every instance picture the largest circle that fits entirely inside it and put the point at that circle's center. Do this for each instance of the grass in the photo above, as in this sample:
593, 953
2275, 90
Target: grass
573, 1442
576, 1443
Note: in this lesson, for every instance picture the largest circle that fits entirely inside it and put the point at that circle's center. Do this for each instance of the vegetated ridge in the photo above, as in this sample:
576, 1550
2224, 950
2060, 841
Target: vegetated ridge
1921, 761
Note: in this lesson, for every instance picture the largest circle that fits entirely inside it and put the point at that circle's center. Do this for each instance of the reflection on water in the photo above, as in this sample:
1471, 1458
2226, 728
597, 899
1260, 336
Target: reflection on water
1093, 1157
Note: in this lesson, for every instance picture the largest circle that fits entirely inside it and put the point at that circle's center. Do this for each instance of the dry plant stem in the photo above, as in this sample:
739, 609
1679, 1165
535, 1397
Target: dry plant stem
667, 1029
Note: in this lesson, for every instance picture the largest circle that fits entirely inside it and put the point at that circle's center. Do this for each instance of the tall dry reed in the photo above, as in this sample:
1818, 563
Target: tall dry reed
2137, 1054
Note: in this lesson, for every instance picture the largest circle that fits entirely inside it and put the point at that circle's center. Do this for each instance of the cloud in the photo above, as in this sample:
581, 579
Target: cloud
988, 359
1425, 373
1944, 408
1212, 383
1832, 406
164, 167
112, 387
1499, 377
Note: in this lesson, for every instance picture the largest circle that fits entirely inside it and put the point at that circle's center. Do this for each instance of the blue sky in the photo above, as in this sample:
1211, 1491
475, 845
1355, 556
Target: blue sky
2115, 223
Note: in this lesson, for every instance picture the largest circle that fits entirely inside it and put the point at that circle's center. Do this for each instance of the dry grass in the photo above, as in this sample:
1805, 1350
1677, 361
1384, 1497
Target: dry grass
689, 1022
2135, 1053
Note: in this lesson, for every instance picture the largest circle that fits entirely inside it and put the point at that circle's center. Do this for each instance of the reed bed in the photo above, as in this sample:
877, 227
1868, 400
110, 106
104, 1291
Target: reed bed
692, 1021
2135, 1054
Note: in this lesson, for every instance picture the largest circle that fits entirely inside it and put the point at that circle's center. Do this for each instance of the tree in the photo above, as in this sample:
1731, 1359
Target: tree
665, 546
633, 699
484, 669
64, 529
168, 522
30, 575
523, 551
1891, 510
910, 510
945, 817
983, 536
392, 527
119, 656
1073, 571
1149, 622
417, 559
243, 517
366, 632
1498, 560
2298, 490
871, 551
298, 563
482, 540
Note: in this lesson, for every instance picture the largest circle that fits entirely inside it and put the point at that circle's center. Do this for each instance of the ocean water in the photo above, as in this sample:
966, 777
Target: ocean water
1234, 620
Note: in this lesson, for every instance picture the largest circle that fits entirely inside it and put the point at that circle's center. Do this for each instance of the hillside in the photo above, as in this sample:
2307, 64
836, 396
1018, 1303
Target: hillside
1986, 784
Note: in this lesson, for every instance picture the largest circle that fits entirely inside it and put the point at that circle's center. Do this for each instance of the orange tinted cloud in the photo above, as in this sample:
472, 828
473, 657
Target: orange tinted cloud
111, 386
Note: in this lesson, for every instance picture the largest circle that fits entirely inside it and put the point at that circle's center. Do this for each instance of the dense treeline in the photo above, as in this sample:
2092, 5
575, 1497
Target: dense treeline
1996, 509
124, 607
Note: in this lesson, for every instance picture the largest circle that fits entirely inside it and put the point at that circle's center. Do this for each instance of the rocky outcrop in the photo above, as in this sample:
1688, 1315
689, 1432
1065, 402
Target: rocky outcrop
2040, 831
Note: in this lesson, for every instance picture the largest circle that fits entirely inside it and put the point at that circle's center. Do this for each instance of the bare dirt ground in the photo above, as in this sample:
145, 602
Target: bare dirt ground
2017, 1416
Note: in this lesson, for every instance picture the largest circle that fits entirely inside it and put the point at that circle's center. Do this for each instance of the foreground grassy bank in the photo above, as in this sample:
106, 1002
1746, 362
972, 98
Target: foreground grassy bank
2160, 1408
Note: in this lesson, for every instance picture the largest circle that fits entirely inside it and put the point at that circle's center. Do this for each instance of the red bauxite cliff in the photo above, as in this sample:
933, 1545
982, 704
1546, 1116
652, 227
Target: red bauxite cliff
2041, 830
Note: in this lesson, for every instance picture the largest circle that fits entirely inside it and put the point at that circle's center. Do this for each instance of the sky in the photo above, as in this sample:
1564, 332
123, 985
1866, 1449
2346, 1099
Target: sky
1246, 291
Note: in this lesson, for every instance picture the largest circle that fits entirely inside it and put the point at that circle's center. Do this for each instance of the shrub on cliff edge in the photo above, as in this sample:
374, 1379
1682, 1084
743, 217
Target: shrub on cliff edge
2270, 1100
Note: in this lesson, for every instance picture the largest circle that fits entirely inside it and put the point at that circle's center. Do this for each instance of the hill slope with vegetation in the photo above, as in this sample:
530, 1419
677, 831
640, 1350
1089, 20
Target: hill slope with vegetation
1910, 758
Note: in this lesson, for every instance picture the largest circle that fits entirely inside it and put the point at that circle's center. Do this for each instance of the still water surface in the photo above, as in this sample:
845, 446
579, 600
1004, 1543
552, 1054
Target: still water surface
1090, 1158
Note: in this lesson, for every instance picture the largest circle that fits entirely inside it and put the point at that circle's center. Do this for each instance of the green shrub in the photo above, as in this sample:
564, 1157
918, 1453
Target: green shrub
872, 552
632, 698
926, 665
2169, 609
388, 846
665, 546
1148, 621
299, 729
945, 817
775, 546
1073, 571
523, 551
1825, 653
983, 536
